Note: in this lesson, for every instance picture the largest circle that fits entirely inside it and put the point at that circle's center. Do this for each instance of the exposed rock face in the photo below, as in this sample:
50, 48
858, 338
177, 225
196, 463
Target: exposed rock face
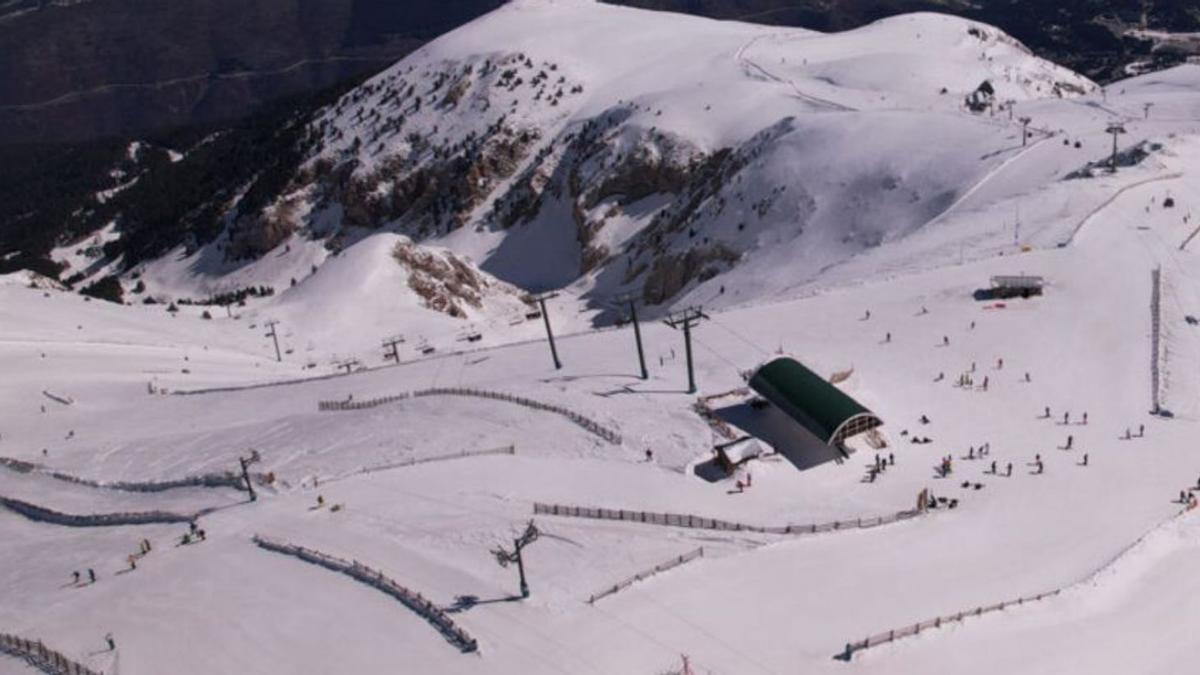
443, 281
671, 273
252, 236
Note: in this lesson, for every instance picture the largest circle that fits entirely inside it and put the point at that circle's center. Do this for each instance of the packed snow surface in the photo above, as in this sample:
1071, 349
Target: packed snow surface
108, 393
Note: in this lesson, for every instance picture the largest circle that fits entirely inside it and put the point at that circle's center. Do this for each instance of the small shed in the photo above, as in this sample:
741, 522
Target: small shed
1017, 285
820, 407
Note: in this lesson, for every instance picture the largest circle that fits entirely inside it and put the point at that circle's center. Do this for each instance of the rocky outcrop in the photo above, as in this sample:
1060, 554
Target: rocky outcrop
444, 282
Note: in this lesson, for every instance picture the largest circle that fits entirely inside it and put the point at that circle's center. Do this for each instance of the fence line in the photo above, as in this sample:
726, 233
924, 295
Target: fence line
65, 400
208, 480
893, 635
45, 515
583, 421
700, 522
1190, 237
376, 579
413, 461
916, 628
1155, 337
38, 655
657, 569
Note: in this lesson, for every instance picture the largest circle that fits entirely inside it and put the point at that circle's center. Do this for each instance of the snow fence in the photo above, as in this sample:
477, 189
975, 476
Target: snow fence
463, 454
375, 578
208, 480
646, 574
916, 628
45, 515
583, 421
41, 657
892, 635
700, 522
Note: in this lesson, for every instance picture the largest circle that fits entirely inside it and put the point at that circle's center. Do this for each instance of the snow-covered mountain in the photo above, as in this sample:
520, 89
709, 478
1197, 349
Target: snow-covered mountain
819, 194
593, 151
567, 144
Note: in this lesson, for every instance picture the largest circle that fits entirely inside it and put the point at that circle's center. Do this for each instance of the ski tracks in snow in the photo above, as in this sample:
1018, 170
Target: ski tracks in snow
754, 69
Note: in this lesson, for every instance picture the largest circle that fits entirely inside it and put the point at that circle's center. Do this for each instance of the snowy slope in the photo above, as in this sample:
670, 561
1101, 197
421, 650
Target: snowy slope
754, 603
588, 150
924, 204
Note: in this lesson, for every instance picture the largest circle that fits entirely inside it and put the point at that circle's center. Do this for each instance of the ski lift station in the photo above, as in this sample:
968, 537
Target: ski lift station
824, 410
1016, 285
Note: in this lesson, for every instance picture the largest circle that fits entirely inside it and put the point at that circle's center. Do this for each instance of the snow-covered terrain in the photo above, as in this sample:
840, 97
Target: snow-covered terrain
913, 204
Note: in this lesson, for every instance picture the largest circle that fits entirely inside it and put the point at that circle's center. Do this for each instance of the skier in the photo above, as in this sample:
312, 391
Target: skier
1070, 441
76, 573
924, 419
985, 382
200, 533
1127, 434
892, 459
972, 366
1010, 469
1047, 412
887, 338
945, 341
91, 575
112, 644
1085, 459
1085, 418
649, 455
999, 364
132, 563
971, 452
867, 315
993, 467
1040, 467
1067, 417
972, 325
1141, 430
1027, 377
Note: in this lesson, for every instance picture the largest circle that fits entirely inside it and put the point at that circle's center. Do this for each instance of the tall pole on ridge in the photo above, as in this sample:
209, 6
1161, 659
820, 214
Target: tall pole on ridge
391, 351
541, 301
686, 320
631, 300
504, 557
1116, 129
274, 337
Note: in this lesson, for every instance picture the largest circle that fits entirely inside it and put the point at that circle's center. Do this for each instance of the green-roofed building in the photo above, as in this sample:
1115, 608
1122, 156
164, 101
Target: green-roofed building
820, 407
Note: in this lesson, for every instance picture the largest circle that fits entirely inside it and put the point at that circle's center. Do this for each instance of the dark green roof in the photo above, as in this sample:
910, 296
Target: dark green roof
809, 399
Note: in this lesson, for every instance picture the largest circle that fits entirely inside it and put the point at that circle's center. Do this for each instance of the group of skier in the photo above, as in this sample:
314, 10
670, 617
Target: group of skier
881, 464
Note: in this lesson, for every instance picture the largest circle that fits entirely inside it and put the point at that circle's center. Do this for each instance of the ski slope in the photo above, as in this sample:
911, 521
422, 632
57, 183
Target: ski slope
155, 396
